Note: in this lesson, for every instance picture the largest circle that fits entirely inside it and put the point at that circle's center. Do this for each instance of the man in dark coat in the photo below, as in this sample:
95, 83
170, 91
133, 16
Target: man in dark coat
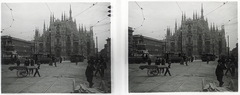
32, 64
219, 72
157, 62
18, 62
149, 61
89, 72
60, 59
26, 62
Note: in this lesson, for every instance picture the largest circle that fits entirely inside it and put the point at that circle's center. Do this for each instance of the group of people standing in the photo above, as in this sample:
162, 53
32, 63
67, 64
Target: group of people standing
30, 62
161, 61
228, 64
97, 65
186, 59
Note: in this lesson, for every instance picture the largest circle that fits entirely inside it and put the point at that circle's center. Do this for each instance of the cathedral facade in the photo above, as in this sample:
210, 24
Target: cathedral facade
62, 38
195, 37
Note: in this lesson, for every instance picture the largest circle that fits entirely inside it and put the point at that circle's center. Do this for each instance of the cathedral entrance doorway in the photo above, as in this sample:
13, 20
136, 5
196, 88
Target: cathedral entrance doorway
58, 51
189, 51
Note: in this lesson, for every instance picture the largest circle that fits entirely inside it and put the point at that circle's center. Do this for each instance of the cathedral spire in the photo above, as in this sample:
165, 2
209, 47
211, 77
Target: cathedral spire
213, 27
202, 11
64, 18
79, 29
53, 16
47, 28
50, 18
193, 16
44, 29
70, 13
184, 16
175, 25
196, 15
82, 28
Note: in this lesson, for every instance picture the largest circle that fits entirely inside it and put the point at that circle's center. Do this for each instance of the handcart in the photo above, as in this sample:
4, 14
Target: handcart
22, 71
153, 70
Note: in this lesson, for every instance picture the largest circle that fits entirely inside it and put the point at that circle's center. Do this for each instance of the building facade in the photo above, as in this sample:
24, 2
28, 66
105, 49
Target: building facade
62, 38
153, 46
106, 51
22, 47
194, 37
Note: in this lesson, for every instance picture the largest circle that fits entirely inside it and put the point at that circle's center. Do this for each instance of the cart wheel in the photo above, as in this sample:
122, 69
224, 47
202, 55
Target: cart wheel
22, 73
152, 72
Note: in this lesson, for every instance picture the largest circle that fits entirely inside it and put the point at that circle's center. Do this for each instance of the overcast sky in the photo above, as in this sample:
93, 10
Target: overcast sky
28, 16
159, 15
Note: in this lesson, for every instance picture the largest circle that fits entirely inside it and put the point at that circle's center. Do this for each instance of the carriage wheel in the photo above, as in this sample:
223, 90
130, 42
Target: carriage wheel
22, 73
152, 72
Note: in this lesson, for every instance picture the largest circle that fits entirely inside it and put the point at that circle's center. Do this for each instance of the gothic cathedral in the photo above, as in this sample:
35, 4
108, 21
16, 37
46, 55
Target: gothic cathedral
62, 38
194, 37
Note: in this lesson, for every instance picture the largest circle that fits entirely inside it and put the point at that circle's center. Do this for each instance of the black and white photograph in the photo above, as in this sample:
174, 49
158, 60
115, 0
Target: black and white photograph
56, 47
182, 46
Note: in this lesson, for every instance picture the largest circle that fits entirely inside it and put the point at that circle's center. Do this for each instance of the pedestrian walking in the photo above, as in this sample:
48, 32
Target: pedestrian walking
89, 72
167, 71
185, 59
228, 66
18, 62
54, 61
103, 66
219, 72
98, 68
60, 59
208, 59
169, 63
76, 60
149, 61
192, 58
36, 72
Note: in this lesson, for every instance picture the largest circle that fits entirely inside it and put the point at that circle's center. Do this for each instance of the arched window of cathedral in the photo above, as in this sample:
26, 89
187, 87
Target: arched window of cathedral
75, 48
189, 39
58, 29
40, 47
207, 48
68, 44
172, 46
189, 28
200, 37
